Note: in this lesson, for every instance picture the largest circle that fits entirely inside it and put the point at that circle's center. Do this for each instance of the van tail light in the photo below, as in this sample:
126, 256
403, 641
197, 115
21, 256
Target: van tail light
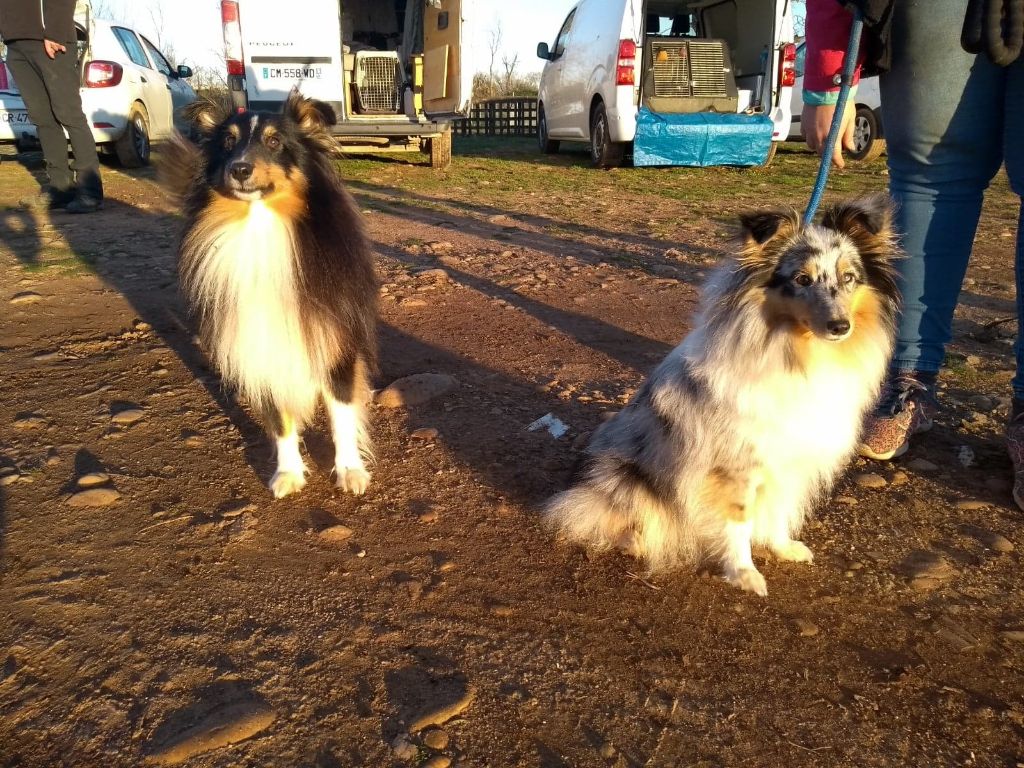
103, 74
625, 68
232, 37
787, 66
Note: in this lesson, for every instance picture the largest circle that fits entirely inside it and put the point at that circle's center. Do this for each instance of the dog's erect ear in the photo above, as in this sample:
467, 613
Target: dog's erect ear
206, 115
310, 114
761, 226
867, 221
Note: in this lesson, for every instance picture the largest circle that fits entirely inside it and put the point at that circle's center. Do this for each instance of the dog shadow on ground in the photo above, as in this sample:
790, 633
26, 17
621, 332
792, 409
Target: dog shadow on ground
130, 249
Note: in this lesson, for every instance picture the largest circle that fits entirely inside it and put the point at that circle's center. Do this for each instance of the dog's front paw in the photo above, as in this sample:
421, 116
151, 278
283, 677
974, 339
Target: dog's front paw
354, 480
794, 552
284, 482
749, 580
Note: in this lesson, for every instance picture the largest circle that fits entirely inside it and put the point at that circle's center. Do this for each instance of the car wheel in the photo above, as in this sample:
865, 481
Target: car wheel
603, 151
547, 146
866, 143
133, 146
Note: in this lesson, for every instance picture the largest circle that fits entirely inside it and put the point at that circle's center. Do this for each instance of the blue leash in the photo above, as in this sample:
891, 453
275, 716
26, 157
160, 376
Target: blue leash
849, 65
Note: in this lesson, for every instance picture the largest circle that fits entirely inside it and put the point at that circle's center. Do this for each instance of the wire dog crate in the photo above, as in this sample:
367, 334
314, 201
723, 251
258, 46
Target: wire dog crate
689, 76
378, 82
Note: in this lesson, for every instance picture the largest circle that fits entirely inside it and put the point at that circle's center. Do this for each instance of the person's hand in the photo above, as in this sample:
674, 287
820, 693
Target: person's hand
52, 48
815, 122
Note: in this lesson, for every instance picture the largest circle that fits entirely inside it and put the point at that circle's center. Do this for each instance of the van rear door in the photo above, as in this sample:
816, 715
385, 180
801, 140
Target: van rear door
287, 45
447, 70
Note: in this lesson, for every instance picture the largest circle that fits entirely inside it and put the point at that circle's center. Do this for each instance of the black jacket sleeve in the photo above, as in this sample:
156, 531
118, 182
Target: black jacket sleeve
38, 19
877, 33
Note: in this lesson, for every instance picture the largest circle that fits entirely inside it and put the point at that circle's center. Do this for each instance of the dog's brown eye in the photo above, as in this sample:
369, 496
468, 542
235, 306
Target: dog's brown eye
273, 142
229, 141
849, 277
803, 280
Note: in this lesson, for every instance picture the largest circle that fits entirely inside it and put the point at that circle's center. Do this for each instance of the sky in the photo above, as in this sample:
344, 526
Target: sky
193, 27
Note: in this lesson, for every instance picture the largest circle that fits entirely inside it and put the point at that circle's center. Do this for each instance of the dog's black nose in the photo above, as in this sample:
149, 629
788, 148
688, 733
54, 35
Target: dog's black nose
838, 327
241, 171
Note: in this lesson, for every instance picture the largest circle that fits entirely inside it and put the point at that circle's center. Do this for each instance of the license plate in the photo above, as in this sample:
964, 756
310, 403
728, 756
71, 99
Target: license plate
14, 117
290, 72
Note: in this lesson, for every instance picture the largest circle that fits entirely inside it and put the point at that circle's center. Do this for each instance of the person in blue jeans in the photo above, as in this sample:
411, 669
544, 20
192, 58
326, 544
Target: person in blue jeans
951, 120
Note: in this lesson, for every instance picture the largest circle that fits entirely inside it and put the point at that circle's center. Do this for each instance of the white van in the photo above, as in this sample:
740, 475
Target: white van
613, 58
392, 69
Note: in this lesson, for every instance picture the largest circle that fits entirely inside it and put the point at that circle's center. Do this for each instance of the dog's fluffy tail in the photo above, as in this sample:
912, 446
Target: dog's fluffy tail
611, 509
179, 162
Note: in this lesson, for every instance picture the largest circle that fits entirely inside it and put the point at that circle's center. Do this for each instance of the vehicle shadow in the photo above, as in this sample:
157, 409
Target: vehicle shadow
499, 224
617, 343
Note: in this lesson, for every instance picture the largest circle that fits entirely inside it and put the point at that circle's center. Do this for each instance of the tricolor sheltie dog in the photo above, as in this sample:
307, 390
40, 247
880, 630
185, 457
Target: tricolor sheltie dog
276, 268
749, 420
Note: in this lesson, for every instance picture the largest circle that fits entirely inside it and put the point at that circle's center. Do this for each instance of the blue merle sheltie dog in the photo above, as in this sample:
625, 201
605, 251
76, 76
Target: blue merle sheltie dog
748, 421
276, 268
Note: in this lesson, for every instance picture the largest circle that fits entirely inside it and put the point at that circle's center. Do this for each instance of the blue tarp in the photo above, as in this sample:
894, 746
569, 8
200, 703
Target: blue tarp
701, 139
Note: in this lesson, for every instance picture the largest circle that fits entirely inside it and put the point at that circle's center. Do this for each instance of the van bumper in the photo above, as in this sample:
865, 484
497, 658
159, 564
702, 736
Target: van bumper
390, 129
621, 113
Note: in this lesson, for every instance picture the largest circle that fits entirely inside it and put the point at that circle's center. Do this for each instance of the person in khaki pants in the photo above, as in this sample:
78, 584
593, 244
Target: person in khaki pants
40, 39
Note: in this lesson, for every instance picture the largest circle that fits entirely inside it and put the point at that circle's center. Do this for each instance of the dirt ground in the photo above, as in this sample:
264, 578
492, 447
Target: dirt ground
187, 616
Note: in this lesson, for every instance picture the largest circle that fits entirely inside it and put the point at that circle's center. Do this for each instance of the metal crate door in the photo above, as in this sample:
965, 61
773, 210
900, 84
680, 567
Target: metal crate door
378, 82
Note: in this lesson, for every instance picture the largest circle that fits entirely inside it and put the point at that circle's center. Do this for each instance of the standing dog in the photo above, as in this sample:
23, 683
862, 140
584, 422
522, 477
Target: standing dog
275, 265
748, 421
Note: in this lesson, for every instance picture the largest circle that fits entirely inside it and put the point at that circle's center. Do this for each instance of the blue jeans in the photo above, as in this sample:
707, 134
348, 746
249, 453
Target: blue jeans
950, 119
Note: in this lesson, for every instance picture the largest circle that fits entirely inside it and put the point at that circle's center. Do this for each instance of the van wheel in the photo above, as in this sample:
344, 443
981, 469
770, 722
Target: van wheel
441, 150
866, 143
604, 152
133, 146
547, 146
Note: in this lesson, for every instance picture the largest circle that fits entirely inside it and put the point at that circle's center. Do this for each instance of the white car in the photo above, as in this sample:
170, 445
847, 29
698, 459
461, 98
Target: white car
868, 136
130, 93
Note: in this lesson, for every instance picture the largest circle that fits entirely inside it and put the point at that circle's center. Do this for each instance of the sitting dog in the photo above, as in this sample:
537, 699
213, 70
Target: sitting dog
275, 266
749, 420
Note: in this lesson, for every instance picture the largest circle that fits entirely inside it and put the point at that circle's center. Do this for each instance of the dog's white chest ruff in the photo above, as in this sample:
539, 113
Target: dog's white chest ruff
248, 283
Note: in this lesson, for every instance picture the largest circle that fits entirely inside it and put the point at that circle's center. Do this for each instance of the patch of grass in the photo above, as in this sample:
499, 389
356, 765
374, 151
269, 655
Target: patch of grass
60, 260
491, 175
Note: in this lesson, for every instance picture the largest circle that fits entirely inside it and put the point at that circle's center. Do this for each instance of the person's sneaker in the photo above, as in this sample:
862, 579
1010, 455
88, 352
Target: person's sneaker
49, 199
1015, 447
84, 204
904, 409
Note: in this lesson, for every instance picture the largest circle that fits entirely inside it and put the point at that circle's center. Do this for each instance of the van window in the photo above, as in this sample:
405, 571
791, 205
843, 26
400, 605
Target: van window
130, 43
801, 59
563, 33
674, 25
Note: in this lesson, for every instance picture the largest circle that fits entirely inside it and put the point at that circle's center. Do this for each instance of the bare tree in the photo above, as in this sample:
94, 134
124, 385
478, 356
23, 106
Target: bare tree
494, 45
101, 9
163, 44
509, 65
